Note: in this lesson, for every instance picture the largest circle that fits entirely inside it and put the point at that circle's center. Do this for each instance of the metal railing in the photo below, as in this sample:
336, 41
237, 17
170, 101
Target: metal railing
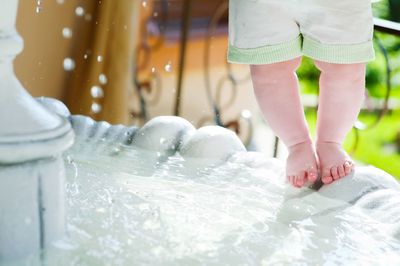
214, 99
393, 28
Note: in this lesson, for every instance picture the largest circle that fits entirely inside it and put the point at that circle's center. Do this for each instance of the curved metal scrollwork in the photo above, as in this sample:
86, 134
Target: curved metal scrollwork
360, 126
147, 80
242, 124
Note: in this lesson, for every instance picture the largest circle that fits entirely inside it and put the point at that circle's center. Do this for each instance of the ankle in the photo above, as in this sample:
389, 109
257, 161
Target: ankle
305, 143
322, 144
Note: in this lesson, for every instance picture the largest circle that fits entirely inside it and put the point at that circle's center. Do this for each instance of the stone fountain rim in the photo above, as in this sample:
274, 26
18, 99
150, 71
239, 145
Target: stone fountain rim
44, 135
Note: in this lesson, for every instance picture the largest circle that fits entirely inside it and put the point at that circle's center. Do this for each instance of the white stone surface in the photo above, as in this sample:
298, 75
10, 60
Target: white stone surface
211, 142
239, 212
19, 211
163, 134
32, 213
32, 207
52, 177
362, 181
54, 106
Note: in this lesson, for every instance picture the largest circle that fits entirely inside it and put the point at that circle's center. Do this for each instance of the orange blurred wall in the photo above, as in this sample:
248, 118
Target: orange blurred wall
40, 66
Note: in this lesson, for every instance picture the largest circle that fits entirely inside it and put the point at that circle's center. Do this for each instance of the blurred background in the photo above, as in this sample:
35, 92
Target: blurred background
126, 61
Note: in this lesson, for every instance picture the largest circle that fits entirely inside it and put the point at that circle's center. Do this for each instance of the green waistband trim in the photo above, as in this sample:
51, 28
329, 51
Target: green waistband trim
339, 53
266, 54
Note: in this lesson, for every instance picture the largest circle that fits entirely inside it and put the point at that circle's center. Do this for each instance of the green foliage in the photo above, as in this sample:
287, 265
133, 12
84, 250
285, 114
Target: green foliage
376, 70
308, 75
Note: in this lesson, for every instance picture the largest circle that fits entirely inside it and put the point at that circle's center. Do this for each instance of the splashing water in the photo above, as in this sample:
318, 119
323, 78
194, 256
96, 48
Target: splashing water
95, 108
103, 79
67, 33
69, 64
128, 206
79, 11
96, 92
168, 67
39, 6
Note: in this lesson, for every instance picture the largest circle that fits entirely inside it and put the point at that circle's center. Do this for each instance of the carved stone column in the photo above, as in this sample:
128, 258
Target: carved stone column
32, 211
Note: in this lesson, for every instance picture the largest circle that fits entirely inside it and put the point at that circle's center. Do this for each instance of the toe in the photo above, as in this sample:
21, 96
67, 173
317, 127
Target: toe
327, 180
348, 166
334, 173
312, 174
296, 181
301, 179
291, 179
326, 176
341, 171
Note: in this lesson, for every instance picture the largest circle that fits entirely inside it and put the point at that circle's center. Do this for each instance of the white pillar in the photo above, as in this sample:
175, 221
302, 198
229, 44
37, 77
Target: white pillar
32, 211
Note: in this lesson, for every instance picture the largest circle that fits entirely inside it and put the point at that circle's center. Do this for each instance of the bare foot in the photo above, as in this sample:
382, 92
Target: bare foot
334, 162
301, 164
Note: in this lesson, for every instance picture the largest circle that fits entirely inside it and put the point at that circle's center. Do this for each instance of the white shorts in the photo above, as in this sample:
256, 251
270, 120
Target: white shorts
270, 31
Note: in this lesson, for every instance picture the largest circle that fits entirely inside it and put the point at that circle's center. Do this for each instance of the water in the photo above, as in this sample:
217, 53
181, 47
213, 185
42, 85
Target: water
96, 92
96, 108
67, 33
103, 79
168, 67
79, 11
69, 64
128, 206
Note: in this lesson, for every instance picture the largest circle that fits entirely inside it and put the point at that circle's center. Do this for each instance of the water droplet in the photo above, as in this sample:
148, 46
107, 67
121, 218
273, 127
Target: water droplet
99, 58
96, 108
39, 9
69, 159
144, 3
96, 92
246, 114
69, 64
85, 56
153, 70
67, 33
79, 11
115, 151
103, 79
168, 67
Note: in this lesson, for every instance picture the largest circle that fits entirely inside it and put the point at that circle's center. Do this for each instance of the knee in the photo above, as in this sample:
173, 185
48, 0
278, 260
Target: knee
275, 70
354, 71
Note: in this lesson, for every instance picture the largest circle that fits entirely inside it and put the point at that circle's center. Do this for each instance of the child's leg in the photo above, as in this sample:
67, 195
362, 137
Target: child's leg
277, 92
341, 95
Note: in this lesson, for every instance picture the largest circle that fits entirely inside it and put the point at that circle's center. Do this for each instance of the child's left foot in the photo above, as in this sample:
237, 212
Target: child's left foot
334, 162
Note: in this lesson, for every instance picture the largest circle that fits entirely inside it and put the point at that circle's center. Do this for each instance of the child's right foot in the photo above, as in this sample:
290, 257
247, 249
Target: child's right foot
301, 164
